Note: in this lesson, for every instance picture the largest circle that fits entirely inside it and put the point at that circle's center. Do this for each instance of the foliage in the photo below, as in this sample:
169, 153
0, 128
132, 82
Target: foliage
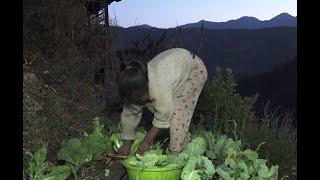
78, 152
199, 160
39, 169
75, 153
96, 142
196, 147
58, 173
222, 110
37, 165
219, 103
117, 142
198, 168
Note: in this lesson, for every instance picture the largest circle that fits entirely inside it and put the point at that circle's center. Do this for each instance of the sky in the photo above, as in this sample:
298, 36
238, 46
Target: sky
170, 13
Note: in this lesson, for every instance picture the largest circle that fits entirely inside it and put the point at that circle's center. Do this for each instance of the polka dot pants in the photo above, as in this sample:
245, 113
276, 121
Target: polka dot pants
184, 105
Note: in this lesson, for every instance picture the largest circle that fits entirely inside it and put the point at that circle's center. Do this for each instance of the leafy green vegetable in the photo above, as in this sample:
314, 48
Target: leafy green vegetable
75, 152
226, 154
96, 142
116, 141
251, 155
224, 173
245, 165
264, 172
137, 140
209, 138
221, 146
196, 147
177, 160
231, 162
193, 175
150, 159
154, 150
198, 167
37, 165
39, 169
58, 173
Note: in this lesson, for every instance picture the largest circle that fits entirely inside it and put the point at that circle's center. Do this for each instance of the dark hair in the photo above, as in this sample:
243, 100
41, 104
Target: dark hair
133, 81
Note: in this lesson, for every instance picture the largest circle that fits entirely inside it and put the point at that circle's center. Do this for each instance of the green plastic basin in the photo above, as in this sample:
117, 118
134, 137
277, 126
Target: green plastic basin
154, 173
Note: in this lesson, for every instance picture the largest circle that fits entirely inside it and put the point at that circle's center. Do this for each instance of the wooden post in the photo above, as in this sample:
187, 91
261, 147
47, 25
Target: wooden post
108, 66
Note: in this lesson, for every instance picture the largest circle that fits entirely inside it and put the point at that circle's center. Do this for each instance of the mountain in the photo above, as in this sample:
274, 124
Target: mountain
247, 22
246, 51
146, 26
283, 19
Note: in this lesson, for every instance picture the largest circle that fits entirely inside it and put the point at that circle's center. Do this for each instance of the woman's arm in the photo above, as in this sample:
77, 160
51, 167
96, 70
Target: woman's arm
153, 132
130, 118
145, 144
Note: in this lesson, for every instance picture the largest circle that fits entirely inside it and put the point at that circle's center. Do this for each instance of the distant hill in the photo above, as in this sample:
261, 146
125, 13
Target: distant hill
246, 51
279, 85
247, 22
146, 26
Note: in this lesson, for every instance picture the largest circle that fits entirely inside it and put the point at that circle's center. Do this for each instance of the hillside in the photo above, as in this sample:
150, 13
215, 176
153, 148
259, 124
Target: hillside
247, 52
279, 85
247, 22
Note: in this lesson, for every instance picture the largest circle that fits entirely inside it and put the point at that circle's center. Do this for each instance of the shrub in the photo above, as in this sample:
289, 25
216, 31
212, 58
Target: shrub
222, 110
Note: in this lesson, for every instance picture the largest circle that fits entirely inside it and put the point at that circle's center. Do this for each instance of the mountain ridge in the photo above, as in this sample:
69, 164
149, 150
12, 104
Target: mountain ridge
244, 22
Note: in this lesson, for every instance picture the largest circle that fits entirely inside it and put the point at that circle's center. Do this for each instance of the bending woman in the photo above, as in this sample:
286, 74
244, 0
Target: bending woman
169, 86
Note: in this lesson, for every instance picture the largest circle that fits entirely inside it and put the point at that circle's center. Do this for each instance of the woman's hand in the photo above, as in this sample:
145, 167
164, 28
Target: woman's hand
144, 145
125, 149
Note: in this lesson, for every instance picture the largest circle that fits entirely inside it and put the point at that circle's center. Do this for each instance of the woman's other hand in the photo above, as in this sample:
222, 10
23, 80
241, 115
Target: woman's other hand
144, 146
125, 149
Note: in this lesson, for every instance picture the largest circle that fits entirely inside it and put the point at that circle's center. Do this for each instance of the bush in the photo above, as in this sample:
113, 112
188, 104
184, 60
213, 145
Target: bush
280, 137
219, 104
222, 110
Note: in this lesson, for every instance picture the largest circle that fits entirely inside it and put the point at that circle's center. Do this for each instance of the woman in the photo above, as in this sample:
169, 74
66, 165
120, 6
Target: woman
169, 86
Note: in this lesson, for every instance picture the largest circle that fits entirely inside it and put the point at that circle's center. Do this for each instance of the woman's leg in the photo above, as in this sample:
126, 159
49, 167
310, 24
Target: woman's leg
185, 104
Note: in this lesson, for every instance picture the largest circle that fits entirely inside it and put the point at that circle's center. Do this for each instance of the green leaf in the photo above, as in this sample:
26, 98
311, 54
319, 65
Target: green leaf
138, 139
96, 143
75, 152
264, 172
58, 173
211, 154
40, 155
189, 170
198, 166
231, 163
245, 174
224, 173
196, 147
193, 175
209, 138
150, 160
209, 168
116, 141
37, 165
251, 155
177, 160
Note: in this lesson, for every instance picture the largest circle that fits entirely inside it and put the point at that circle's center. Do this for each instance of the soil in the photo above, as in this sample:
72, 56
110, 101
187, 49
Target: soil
97, 170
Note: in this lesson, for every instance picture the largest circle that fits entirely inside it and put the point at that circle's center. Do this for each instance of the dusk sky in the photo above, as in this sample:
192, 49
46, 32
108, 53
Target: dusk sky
170, 13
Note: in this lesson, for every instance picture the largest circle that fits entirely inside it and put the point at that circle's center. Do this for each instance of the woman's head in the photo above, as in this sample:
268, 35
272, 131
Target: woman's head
133, 83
